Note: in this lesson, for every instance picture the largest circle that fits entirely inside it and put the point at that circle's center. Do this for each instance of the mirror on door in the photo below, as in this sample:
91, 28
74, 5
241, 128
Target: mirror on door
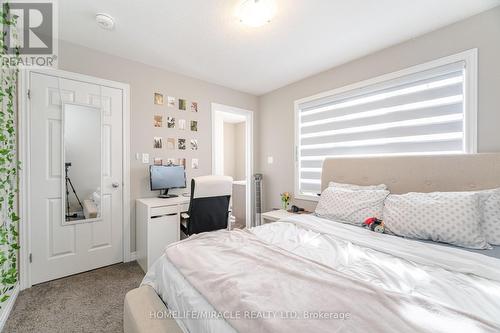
82, 163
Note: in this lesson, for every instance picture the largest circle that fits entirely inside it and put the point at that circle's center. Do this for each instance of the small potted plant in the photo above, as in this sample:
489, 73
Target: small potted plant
285, 200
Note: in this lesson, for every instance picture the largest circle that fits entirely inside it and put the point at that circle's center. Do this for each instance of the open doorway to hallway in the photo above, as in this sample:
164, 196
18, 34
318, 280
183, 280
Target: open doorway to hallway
232, 155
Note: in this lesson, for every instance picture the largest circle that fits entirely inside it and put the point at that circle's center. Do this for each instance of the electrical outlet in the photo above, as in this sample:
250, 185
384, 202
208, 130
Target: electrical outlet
270, 160
145, 158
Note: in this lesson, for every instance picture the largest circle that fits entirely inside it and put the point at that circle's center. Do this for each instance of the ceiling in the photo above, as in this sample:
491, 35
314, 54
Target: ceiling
203, 39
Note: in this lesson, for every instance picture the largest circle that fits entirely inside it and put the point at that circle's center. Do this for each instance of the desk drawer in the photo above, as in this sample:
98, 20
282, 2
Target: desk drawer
165, 210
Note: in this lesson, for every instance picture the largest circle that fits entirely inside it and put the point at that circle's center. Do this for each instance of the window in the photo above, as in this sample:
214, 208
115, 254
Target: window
426, 109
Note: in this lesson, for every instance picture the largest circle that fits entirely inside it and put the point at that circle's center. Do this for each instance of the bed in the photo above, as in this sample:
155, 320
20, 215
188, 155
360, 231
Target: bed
306, 273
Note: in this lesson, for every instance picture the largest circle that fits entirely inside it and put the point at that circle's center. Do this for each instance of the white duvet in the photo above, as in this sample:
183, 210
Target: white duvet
460, 280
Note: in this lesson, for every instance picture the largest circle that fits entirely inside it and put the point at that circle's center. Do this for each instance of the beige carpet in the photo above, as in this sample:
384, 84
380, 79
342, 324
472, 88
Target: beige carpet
87, 302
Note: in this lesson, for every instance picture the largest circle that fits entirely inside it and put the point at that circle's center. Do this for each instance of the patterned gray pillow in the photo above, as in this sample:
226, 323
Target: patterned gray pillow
348, 206
448, 217
490, 206
353, 187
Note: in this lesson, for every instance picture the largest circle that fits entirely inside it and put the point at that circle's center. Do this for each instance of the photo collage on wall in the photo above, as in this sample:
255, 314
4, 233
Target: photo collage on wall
178, 129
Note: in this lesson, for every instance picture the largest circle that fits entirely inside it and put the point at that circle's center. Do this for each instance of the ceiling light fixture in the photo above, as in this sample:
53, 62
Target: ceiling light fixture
105, 21
256, 13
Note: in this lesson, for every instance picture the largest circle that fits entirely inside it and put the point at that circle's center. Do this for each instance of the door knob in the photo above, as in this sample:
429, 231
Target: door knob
115, 184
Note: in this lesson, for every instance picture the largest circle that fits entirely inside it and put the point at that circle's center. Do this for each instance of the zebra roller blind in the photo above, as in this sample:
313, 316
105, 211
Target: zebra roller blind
419, 113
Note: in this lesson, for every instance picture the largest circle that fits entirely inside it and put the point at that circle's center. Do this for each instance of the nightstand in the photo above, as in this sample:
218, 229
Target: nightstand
278, 214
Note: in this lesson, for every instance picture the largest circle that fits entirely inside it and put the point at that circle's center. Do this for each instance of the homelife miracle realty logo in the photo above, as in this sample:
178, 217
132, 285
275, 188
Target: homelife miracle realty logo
34, 33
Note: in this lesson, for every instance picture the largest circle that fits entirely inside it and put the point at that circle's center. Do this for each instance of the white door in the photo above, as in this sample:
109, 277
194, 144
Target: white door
83, 131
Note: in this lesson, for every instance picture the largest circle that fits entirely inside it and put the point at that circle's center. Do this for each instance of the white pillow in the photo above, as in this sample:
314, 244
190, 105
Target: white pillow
448, 217
353, 187
348, 206
490, 207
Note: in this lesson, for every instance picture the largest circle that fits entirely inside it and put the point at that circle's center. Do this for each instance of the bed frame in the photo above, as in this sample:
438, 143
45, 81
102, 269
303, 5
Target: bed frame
430, 173
141, 305
401, 174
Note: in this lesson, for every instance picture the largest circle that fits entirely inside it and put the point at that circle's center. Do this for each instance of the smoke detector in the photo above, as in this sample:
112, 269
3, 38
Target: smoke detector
105, 21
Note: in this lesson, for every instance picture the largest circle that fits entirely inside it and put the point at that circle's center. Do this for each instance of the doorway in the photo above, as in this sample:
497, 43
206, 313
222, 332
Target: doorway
232, 155
74, 184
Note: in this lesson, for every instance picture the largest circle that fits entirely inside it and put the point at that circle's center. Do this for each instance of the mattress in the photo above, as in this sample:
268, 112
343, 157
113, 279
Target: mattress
494, 252
194, 313
186, 304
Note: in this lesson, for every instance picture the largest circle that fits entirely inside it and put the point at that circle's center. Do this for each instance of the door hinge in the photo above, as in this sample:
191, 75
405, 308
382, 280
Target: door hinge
31, 258
29, 94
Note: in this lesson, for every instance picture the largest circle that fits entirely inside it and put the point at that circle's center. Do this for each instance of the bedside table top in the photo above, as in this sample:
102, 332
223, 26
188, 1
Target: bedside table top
278, 214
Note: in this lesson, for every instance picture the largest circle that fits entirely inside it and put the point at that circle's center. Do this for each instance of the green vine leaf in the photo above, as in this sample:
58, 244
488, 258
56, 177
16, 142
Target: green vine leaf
9, 165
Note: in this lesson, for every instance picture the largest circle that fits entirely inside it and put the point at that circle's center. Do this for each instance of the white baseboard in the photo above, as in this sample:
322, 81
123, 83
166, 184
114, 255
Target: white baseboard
133, 256
7, 306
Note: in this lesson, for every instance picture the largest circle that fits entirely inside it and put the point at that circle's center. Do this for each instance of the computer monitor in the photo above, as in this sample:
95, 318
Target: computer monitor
166, 177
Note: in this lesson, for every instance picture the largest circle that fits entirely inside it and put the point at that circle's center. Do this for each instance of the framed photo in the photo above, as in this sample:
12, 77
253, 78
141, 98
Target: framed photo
182, 104
194, 144
194, 163
182, 124
158, 121
158, 98
158, 161
157, 142
170, 122
194, 125
171, 143
171, 101
194, 106
181, 144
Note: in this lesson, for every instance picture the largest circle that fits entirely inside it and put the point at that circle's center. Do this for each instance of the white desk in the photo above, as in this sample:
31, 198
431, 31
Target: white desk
157, 225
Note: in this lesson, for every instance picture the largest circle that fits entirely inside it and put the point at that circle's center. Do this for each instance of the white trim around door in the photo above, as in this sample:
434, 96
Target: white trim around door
24, 157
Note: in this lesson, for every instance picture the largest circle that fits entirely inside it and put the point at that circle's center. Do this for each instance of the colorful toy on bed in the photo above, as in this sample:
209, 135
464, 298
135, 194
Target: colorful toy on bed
374, 224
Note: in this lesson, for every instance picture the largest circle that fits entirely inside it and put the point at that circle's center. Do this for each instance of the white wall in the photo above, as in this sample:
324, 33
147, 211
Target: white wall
239, 151
239, 203
276, 109
234, 150
144, 80
229, 148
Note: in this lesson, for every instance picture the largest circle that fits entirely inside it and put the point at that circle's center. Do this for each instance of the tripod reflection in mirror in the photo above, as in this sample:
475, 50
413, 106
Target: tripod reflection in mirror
82, 162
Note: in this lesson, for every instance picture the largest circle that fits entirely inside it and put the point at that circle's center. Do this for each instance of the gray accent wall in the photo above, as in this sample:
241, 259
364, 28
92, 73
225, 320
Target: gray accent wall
275, 120
144, 80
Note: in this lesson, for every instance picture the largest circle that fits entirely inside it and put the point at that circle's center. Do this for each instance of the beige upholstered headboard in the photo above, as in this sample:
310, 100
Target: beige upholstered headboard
404, 174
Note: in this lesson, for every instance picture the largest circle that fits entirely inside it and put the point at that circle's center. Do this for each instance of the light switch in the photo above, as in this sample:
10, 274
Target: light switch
145, 158
270, 160
137, 156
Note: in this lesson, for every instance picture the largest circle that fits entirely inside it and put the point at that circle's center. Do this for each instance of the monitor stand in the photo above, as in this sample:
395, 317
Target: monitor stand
165, 195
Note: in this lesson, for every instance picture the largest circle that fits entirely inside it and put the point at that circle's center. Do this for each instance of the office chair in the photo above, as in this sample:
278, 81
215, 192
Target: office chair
209, 204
